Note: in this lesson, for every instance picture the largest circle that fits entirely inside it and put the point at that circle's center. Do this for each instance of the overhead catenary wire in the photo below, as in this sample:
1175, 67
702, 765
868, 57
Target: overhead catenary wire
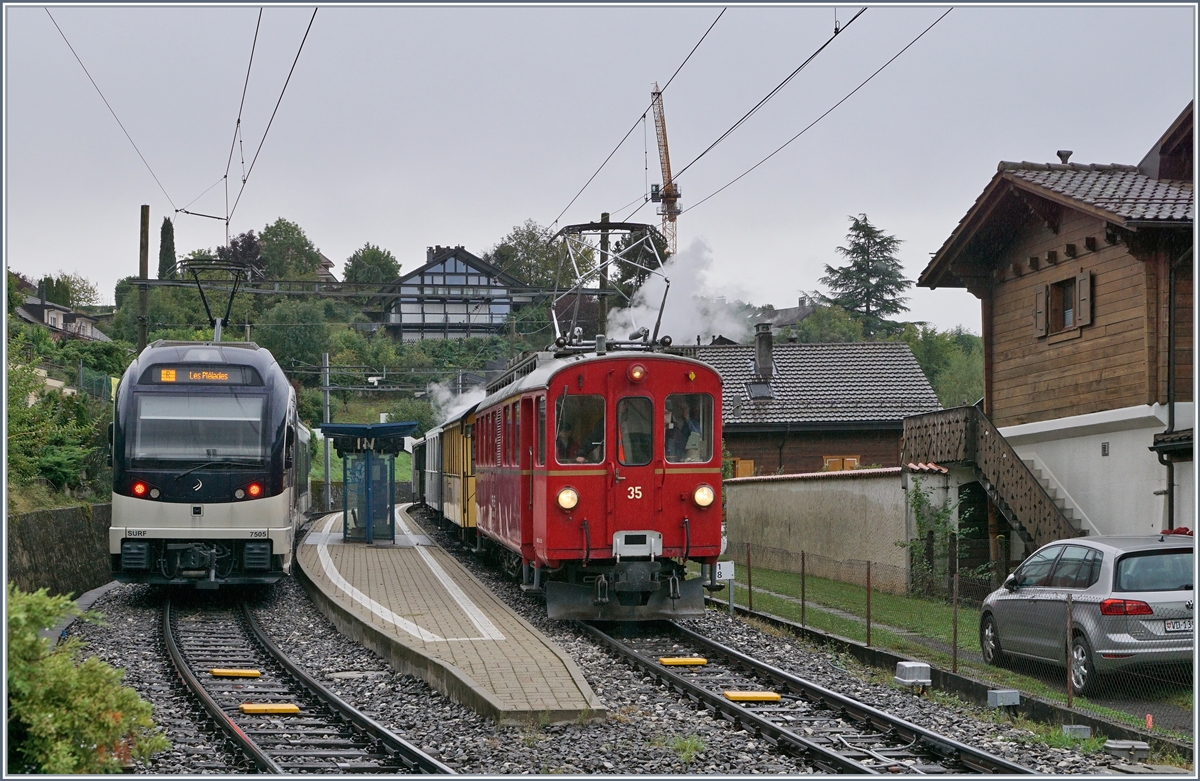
246, 178
767, 97
237, 128
641, 118
827, 113
110, 108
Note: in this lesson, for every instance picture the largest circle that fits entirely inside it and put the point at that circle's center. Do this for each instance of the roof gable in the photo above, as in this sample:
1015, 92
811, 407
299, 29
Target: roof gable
456, 260
823, 384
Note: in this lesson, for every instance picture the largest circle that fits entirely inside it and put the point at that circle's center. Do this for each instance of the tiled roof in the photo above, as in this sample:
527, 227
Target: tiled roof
843, 474
861, 382
930, 468
1118, 189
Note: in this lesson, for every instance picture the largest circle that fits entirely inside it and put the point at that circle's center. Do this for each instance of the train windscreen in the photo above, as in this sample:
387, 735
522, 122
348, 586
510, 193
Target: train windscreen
579, 429
199, 428
689, 428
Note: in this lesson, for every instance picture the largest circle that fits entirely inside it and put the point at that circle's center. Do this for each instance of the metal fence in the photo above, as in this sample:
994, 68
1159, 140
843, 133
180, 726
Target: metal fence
943, 620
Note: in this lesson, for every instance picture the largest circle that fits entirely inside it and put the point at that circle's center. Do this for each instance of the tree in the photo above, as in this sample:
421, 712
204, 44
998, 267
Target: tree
295, 331
70, 290
528, 254
372, 264
287, 253
871, 283
166, 250
824, 325
244, 249
631, 273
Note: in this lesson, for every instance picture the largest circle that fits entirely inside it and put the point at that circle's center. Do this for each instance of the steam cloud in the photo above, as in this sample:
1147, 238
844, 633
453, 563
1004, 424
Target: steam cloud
693, 308
447, 404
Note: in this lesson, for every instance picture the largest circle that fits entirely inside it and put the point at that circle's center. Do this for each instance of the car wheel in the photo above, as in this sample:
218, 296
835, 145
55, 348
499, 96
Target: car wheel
1083, 672
989, 641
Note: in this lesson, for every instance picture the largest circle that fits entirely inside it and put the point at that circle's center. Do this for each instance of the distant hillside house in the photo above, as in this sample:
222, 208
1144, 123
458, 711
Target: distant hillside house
325, 270
794, 408
453, 296
62, 321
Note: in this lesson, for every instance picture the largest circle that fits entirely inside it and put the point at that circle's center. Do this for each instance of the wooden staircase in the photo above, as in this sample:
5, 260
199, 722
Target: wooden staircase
964, 437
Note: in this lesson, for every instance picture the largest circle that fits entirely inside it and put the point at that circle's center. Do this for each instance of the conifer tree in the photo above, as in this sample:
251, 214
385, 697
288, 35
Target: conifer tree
166, 250
869, 286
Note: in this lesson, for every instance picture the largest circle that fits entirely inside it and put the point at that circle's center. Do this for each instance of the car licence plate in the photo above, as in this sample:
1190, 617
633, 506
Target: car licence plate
1178, 624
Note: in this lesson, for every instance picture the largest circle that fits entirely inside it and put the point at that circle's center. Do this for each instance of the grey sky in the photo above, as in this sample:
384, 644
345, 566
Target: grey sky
408, 127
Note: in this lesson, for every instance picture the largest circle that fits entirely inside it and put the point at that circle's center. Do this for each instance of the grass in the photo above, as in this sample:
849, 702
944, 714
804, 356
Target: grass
927, 618
687, 748
359, 410
37, 496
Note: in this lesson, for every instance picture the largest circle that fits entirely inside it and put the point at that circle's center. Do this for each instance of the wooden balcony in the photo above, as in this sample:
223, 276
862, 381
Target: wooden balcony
963, 436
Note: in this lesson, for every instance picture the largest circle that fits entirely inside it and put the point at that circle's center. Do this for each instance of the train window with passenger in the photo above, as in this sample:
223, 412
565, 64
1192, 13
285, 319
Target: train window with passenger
541, 431
199, 428
579, 429
688, 428
635, 430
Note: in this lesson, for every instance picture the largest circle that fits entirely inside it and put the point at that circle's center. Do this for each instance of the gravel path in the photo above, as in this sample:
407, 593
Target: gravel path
649, 730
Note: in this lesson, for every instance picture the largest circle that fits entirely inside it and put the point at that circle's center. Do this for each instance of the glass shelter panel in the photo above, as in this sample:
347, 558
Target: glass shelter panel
368, 491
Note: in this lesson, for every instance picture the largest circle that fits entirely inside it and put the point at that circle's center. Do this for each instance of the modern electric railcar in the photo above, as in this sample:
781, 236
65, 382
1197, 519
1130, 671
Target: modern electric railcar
210, 467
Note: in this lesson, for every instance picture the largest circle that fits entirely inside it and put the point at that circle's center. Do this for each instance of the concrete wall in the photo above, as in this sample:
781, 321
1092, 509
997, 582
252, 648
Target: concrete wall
836, 518
63, 550
1117, 493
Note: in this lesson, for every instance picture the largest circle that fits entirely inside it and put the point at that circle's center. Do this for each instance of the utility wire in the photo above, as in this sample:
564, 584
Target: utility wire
766, 98
818, 119
237, 128
639, 119
110, 108
268, 130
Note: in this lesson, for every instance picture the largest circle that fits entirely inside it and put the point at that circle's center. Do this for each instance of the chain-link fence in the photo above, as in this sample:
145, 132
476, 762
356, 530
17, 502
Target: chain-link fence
1115, 655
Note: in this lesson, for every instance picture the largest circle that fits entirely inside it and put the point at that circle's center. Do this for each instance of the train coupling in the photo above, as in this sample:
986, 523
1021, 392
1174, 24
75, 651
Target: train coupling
601, 591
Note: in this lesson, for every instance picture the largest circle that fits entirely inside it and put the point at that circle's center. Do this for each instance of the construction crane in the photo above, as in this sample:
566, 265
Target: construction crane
668, 194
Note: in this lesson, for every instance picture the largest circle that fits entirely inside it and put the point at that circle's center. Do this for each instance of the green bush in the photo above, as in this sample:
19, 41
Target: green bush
66, 716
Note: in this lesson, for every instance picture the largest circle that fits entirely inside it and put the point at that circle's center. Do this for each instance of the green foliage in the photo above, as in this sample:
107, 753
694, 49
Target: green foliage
309, 406
951, 360
528, 254
66, 716
871, 283
287, 253
688, 748
70, 290
16, 297
372, 264
244, 249
420, 410
296, 333
630, 274
166, 250
826, 324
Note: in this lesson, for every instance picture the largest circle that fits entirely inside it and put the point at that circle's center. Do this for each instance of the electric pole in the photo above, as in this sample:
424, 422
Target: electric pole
603, 324
324, 432
144, 274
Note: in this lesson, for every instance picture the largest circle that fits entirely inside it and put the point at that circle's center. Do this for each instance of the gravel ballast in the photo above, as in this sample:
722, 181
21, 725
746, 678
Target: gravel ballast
648, 730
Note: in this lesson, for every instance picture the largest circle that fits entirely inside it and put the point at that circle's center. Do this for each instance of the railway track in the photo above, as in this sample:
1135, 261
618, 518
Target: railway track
835, 733
282, 719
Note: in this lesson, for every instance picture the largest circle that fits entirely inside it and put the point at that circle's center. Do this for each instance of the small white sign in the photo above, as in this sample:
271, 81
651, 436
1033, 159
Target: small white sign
724, 570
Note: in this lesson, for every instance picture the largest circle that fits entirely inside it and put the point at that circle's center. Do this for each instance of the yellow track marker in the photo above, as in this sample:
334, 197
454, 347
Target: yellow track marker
753, 696
268, 707
217, 672
674, 661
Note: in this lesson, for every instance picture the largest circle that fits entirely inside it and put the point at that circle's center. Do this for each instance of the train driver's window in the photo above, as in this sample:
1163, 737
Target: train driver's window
579, 429
635, 430
688, 428
541, 430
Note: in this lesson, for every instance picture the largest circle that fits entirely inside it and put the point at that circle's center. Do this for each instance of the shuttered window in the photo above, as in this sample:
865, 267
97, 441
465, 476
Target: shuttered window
1063, 305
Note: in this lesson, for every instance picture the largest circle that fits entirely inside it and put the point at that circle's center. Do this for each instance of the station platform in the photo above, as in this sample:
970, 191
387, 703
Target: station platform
419, 609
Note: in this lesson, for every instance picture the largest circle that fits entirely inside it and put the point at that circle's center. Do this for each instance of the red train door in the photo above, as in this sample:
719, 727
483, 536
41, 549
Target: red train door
634, 484
525, 438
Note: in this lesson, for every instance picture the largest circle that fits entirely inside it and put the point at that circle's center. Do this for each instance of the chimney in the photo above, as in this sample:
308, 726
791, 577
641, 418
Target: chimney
42, 292
1064, 155
763, 347
429, 254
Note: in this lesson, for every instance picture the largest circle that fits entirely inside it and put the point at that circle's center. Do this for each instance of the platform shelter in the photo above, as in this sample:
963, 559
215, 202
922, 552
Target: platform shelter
368, 452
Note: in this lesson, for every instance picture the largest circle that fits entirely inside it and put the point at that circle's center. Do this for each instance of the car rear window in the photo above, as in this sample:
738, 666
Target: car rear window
1168, 570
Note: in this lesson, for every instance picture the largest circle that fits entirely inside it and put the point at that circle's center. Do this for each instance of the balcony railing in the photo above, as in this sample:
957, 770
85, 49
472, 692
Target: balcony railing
963, 436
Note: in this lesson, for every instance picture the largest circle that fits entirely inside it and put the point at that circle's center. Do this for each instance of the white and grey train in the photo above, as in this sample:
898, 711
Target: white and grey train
210, 467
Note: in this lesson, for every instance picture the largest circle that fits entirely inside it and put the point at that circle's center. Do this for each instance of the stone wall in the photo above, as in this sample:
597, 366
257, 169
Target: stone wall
840, 520
63, 550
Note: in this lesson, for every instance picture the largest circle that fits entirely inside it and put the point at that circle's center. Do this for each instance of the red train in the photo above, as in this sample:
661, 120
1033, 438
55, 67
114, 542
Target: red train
598, 473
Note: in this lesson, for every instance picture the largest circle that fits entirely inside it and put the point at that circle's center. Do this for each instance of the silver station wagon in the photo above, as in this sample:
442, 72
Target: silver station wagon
1132, 605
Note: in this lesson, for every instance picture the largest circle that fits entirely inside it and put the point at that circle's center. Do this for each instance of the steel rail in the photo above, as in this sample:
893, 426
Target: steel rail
409, 754
232, 731
949, 749
824, 758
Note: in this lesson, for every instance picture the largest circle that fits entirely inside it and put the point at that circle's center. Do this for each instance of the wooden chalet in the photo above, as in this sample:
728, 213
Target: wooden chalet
1084, 277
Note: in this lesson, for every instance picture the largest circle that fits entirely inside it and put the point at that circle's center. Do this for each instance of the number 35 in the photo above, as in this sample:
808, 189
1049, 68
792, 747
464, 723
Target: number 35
635, 492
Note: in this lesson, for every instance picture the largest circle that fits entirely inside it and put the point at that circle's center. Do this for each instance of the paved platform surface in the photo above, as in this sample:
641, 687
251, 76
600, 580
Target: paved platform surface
416, 606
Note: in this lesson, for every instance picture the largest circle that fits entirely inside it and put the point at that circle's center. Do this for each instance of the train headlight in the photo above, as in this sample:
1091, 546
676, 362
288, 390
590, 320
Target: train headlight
704, 495
568, 498
637, 372
139, 488
155, 493
239, 494
254, 489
